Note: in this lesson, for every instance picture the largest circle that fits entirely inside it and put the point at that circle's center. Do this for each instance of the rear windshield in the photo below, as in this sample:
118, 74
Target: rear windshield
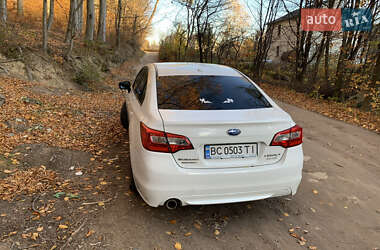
194, 92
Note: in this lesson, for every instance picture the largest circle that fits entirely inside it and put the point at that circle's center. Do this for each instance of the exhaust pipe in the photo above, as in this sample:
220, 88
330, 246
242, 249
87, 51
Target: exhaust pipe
172, 204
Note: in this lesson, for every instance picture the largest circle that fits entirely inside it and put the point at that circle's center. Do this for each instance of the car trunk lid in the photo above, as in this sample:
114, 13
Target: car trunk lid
209, 127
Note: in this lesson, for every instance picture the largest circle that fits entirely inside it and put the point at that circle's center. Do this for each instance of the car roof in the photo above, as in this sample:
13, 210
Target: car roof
180, 68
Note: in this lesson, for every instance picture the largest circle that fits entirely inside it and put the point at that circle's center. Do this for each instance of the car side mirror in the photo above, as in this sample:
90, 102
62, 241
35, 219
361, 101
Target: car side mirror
125, 85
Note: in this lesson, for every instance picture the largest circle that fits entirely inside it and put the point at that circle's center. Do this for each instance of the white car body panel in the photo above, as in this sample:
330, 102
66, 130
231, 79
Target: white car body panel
173, 69
186, 175
205, 127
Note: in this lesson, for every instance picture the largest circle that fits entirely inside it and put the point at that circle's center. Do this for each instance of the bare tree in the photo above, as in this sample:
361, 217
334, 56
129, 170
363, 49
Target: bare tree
265, 13
152, 14
206, 13
44, 27
118, 18
20, 7
200, 14
102, 26
352, 42
72, 27
51, 15
3, 11
79, 17
376, 70
304, 41
90, 20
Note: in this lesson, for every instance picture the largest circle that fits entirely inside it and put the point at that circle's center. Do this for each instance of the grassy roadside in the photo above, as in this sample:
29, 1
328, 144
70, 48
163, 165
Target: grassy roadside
332, 109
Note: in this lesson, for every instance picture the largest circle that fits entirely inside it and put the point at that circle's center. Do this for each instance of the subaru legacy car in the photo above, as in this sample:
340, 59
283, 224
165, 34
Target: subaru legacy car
207, 134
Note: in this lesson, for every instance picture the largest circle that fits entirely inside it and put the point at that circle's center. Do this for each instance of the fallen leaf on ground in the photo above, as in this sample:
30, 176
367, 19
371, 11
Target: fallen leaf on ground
63, 226
12, 233
90, 233
294, 235
39, 229
30, 181
216, 232
302, 243
100, 203
173, 222
312, 247
34, 236
178, 246
25, 236
315, 191
286, 214
197, 226
188, 234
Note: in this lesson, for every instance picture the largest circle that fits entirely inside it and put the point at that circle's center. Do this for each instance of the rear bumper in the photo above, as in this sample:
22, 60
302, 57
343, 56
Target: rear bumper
159, 178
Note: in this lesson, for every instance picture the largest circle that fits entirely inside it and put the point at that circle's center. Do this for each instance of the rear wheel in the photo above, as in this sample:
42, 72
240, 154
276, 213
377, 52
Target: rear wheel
132, 185
124, 116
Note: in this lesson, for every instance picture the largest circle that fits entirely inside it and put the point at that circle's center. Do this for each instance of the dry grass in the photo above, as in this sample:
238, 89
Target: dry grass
339, 111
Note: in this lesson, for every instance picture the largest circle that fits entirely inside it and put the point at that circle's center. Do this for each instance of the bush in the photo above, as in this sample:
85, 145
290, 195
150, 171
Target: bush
89, 73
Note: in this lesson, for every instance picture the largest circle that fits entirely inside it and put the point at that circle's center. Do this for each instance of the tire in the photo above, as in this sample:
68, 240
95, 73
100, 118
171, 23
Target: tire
124, 116
132, 185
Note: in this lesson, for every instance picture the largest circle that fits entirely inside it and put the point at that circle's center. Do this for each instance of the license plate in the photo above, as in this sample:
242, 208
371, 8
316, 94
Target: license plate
227, 151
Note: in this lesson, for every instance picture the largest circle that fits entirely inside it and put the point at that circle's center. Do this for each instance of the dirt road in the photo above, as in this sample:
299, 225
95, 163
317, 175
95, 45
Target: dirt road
337, 205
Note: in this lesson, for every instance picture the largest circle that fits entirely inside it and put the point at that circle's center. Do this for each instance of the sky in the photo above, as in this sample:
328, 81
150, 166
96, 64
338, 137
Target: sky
163, 20
168, 12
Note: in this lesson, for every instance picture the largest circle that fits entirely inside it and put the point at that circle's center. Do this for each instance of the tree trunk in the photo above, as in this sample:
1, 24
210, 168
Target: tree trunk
71, 25
327, 56
51, 15
321, 48
340, 67
376, 70
152, 15
44, 26
200, 48
200, 42
102, 26
79, 17
20, 7
134, 30
90, 22
118, 22
3, 11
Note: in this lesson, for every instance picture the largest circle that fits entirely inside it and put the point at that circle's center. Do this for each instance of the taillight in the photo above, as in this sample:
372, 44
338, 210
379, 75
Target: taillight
159, 141
288, 138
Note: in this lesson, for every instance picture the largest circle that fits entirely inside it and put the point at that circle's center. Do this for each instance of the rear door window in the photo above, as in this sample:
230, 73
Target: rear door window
139, 86
196, 92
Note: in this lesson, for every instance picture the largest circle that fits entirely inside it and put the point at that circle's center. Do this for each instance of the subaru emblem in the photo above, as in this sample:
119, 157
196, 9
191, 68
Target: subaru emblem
233, 131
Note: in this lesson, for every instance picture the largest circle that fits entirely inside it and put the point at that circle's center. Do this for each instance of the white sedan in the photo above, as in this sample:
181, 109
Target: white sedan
207, 134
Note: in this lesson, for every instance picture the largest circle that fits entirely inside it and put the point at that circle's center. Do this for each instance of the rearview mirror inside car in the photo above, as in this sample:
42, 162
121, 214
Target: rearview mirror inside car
125, 85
